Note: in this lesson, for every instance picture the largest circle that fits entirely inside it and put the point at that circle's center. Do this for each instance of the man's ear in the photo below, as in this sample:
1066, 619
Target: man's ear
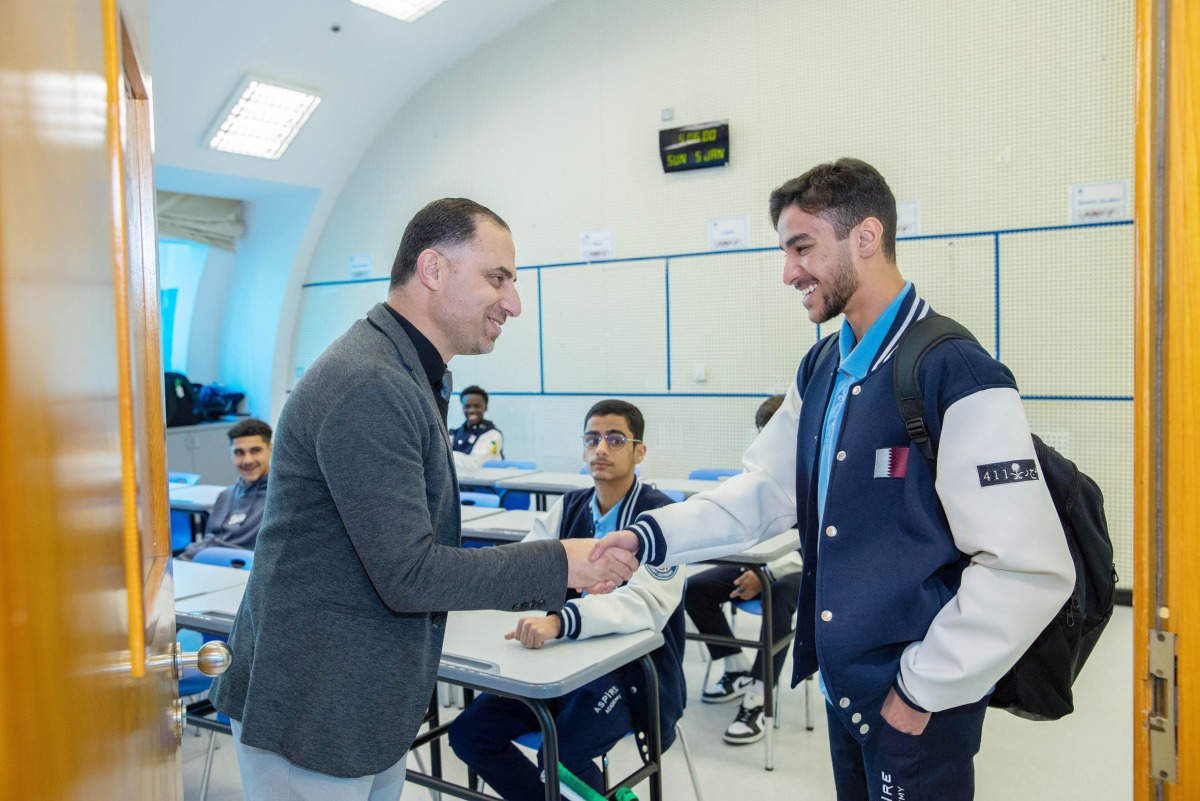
429, 269
639, 453
868, 238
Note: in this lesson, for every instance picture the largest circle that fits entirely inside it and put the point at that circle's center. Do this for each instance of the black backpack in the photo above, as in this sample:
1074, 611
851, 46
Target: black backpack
179, 401
1038, 686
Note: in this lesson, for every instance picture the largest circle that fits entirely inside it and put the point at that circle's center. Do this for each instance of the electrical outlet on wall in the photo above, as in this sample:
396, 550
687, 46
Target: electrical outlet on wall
700, 374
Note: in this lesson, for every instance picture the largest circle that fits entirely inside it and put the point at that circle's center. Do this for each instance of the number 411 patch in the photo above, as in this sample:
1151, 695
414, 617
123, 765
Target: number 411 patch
992, 475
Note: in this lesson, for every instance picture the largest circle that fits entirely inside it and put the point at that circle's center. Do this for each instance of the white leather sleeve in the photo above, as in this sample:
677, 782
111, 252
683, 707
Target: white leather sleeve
785, 565
546, 526
1020, 573
644, 602
743, 509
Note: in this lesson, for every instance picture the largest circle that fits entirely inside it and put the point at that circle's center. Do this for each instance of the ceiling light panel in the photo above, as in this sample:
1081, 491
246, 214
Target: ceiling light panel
406, 10
262, 120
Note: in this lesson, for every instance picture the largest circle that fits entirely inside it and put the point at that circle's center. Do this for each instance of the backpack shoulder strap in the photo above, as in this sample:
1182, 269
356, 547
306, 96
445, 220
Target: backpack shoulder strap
921, 337
809, 366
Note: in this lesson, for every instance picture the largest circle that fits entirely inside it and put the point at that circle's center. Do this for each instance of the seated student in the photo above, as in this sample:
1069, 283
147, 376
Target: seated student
710, 590
237, 513
593, 718
477, 439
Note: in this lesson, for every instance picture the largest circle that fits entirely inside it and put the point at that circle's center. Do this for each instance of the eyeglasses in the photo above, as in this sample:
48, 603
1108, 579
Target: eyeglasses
615, 441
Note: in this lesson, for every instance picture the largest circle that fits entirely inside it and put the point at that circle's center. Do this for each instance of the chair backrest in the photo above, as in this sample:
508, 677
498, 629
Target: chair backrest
675, 495
712, 473
485, 499
181, 530
510, 463
183, 479
225, 557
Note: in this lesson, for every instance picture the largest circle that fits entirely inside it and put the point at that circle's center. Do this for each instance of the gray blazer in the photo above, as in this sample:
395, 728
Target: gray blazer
337, 641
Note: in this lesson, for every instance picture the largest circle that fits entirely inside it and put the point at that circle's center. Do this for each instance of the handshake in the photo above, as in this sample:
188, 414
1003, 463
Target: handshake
600, 566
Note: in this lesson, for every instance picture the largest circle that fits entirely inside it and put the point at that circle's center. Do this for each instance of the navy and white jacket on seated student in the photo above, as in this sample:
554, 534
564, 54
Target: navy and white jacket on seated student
475, 444
652, 598
934, 587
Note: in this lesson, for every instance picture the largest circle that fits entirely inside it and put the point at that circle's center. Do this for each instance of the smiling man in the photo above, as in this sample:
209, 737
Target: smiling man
238, 511
337, 641
918, 592
477, 440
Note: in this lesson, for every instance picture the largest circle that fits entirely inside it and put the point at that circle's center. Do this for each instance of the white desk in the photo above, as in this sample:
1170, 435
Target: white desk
688, 486
476, 655
543, 483
192, 579
199, 498
509, 526
488, 476
469, 513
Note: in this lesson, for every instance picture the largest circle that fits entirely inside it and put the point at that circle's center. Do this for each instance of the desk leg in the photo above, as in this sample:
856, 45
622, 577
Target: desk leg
654, 735
767, 649
549, 746
539, 501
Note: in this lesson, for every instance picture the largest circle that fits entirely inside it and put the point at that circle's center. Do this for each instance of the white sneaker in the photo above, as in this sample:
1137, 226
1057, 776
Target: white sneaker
730, 686
747, 727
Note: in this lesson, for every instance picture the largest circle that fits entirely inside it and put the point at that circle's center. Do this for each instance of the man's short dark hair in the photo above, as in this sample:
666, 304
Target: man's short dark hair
250, 427
446, 223
844, 193
474, 390
766, 410
631, 413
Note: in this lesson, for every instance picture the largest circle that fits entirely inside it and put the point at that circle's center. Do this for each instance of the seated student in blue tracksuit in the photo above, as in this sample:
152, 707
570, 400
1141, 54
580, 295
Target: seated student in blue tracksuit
593, 718
477, 440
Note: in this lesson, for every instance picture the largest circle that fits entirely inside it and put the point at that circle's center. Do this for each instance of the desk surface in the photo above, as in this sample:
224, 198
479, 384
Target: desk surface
199, 498
212, 612
688, 486
488, 476
475, 653
547, 482
764, 552
192, 579
470, 513
509, 526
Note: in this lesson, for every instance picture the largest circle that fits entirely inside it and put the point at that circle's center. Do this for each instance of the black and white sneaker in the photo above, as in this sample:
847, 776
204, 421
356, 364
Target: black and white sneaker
747, 727
727, 688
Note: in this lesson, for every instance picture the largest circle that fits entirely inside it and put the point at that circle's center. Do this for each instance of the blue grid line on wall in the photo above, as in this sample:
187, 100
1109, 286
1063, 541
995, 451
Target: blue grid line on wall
666, 259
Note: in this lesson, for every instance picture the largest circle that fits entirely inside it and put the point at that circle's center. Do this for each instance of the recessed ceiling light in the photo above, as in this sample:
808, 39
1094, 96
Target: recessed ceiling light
262, 119
406, 10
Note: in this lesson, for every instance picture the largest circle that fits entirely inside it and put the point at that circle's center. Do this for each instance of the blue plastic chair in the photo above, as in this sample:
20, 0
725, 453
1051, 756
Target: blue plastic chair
712, 473
225, 557
183, 479
513, 499
181, 530
484, 499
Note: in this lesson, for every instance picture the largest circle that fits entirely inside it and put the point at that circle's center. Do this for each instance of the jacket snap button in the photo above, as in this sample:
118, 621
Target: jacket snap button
841, 456
830, 531
844, 702
856, 390
856, 717
827, 616
863, 729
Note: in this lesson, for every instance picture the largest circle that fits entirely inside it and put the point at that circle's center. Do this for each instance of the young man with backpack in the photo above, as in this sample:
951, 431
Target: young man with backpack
918, 594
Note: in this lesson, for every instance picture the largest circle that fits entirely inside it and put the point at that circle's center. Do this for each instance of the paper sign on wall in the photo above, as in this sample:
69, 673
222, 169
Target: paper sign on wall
360, 265
908, 218
597, 245
1099, 202
727, 233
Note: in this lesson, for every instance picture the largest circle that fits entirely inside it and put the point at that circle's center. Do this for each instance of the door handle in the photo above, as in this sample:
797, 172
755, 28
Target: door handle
212, 659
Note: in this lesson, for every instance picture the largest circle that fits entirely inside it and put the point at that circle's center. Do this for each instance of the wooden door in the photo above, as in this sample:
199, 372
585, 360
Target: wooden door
1167, 415
86, 609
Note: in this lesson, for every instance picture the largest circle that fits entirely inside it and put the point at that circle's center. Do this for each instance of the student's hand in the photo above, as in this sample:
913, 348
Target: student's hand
532, 632
747, 586
623, 540
585, 571
902, 717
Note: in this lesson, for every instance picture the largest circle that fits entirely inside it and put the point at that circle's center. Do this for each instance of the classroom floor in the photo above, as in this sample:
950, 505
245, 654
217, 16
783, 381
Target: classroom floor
1086, 755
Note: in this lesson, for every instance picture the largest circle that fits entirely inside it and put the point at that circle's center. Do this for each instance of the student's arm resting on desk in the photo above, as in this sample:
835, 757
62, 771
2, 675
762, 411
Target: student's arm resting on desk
741, 511
371, 447
1020, 574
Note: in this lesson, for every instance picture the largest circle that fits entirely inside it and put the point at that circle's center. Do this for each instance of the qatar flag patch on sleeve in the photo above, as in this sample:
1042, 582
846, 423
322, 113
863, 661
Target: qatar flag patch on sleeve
891, 463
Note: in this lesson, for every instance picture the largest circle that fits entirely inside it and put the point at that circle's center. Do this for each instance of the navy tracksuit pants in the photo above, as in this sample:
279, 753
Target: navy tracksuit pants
590, 721
936, 765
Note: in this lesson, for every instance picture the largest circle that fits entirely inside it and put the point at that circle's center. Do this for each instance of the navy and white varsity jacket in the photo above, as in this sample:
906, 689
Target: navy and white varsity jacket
934, 587
651, 599
475, 444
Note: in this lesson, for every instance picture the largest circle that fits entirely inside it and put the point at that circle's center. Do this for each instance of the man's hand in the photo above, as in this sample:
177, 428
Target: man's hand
532, 632
747, 586
596, 574
902, 717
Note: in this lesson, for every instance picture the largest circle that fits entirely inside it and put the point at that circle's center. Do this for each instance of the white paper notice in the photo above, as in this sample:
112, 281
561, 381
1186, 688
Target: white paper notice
727, 233
908, 218
360, 265
1094, 203
597, 245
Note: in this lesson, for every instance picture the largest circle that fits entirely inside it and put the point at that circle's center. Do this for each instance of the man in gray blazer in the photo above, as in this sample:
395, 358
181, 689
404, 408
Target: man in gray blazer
337, 641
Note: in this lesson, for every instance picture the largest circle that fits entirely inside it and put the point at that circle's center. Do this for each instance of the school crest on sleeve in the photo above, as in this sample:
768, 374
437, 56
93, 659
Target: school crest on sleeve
662, 573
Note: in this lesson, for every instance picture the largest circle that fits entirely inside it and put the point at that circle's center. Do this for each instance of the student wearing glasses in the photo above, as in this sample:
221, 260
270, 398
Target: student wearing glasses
477, 439
593, 718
